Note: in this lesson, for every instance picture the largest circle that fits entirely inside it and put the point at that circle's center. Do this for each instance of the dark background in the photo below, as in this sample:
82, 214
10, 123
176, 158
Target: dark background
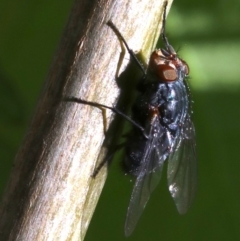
207, 34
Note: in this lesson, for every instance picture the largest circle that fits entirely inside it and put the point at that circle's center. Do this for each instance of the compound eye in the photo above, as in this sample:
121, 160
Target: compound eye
164, 68
166, 73
186, 68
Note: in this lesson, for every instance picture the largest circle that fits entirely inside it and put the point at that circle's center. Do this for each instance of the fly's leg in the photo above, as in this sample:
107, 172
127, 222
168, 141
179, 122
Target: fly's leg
165, 40
113, 109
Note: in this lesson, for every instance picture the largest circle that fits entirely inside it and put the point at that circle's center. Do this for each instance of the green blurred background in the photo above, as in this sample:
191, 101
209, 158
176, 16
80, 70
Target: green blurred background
208, 35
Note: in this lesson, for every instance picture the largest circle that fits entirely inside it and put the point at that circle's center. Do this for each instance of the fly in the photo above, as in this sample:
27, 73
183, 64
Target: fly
162, 130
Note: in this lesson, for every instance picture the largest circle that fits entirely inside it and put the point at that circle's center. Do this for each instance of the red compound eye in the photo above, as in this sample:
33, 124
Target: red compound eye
166, 72
186, 67
163, 68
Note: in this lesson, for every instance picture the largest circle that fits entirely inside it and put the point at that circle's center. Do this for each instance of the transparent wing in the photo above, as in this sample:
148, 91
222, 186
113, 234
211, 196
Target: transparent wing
182, 168
147, 180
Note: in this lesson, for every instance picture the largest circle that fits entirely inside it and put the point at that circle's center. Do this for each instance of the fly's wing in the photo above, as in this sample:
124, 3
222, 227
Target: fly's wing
182, 168
147, 180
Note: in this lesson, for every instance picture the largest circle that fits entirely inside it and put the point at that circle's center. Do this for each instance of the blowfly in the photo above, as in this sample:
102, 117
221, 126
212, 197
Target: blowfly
162, 130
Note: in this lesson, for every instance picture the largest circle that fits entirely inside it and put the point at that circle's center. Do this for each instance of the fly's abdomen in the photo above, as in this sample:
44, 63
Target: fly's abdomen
134, 153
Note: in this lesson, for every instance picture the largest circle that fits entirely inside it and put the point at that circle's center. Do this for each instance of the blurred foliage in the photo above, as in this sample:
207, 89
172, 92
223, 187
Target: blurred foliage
29, 33
207, 33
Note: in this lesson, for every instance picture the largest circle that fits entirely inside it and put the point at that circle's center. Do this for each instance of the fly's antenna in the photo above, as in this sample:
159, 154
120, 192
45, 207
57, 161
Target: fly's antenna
165, 40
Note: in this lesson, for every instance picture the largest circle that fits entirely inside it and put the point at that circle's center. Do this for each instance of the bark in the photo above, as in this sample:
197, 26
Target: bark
51, 194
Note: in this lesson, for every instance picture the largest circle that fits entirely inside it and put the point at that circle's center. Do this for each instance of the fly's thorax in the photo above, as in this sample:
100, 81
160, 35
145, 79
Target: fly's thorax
174, 104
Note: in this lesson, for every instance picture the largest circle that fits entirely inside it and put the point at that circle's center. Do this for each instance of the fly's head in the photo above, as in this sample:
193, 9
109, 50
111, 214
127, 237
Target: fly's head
164, 63
167, 66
